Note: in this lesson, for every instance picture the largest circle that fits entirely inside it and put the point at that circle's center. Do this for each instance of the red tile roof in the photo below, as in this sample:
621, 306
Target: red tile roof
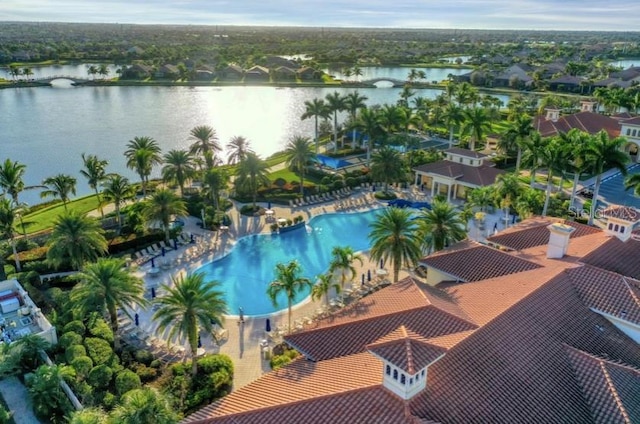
474, 175
632, 121
617, 256
534, 232
466, 152
589, 122
477, 263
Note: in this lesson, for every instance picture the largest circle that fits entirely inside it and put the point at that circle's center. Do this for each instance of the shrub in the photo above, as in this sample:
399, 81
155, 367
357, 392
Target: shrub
278, 361
143, 356
280, 182
100, 351
127, 380
69, 339
109, 400
155, 363
298, 219
101, 330
211, 363
82, 365
74, 351
249, 210
337, 184
145, 373
100, 376
351, 182
75, 326
274, 227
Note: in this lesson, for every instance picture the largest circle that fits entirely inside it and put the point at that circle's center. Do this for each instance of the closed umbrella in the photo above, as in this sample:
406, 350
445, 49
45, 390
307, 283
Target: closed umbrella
137, 319
241, 314
163, 252
199, 342
153, 262
192, 239
268, 326
368, 275
269, 205
363, 278
153, 293
381, 263
175, 244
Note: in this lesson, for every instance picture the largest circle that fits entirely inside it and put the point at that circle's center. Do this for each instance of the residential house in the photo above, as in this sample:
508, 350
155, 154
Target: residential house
167, 71
515, 76
307, 73
568, 83
231, 72
136, 71
257, 73
285, 73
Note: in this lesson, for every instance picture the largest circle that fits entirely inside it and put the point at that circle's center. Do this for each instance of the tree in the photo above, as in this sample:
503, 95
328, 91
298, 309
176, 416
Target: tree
315, 108
520, 130
289, 282
252, 173
390, 118
215, 180
482, 197
633, 182
342, 259
299, 153
8, 214
440, 227
11, 182
323, 286
161, 207
107, 284
507, 189
205, 143
393, 238
92, 71
142, 154
29, 349
75, 239
453, 116
369, 123
604, 153
103, 70
576, 142
477, 124
531, 148
238, 148
192, 304
354, 102
179, 167
48, 399
552, 159
95, 172
387, 166
144, 406
335, 103
89, 416
117, 189
61, 186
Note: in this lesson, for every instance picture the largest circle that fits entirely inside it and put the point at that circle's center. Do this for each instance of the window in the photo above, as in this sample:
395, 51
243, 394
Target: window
610, 226
628, 131
633, 134
403, 379
422, 373
395, 374
622, 228
460, 160
411, 381
616, 227
388, 371
417, 377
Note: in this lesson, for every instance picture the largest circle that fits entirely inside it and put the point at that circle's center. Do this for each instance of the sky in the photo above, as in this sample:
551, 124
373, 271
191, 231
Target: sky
601, 15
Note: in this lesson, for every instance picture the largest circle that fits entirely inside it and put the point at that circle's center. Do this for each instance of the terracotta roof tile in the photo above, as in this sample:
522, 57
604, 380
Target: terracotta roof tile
408, 354
589, 122
474, 175
617, 256
465, 152
477, 263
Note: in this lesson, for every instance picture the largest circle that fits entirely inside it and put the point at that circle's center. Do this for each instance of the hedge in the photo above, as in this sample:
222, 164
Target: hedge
100, 351
74, 351
127, 380
100, 376
69, 338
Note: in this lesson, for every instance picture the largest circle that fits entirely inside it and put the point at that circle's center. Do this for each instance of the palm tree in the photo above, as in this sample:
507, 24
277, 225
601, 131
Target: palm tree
342, 263
30, 349
91, 415
205, 143
633, 181
215, 180
192, 304
453, 116
507, 189
299, 153
551, 158
353, 102
179, 167
520, 129
289, 282
144, 406
482, 197
8, 214
61, 186
117, 189
390, 118
477, 124
393, 237
142, 154
238, 148
387, 166
252, 173
103, 70
49, 400
604, 153
531, 148
95, 172
92, 71
315, 108
27, 72
161, 207
11, 183
108, 285
335, 103
75, 239
370, 125
323, 286
440, 227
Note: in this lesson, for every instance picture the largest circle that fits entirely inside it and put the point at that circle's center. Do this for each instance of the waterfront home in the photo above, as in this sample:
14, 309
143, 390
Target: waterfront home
307, 73
231, 72
257, 73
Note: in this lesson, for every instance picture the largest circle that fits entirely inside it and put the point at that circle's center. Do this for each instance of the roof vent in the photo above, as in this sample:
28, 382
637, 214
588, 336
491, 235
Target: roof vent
558, 240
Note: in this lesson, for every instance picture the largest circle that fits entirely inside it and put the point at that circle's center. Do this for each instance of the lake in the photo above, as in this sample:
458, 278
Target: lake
48, 128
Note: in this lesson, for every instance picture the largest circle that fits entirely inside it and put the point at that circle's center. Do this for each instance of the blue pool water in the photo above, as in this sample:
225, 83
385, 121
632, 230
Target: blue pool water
248, 269
332, 162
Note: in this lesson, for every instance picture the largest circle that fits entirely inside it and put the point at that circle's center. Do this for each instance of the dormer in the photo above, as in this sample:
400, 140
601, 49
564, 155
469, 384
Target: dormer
587, 106
621, 221
465, 156
406, 358
552, 114
630, 128
559, 235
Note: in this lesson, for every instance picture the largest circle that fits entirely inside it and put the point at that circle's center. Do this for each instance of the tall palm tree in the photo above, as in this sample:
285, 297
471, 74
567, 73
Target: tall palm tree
252, 173
633, 182
61, 186
477, 124
205, 143
335, 104
354, 102
342, 259
315, 108
144, 406
8, 214
142, 154
192, 304
238, 148
507, 189
390, 118
393, 238
161, 207
117, 189
11, 179
531, 148
323, 286
604, 153
453, 116
440, 227
551, 158
95, 172
299, 153
108, 285
289, 282
482, 197
520, 129
369, 124
387, 166
179, 167
215, 180
75, 239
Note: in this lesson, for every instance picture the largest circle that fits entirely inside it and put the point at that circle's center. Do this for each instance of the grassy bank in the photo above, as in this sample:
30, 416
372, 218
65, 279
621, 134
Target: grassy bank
43, 219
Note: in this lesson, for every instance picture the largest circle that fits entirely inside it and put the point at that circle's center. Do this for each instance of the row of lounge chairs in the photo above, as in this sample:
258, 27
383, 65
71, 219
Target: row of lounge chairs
320, 198
145, 255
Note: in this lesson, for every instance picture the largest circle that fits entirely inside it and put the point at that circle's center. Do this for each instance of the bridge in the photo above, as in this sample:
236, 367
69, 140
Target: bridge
395, 82
47, 80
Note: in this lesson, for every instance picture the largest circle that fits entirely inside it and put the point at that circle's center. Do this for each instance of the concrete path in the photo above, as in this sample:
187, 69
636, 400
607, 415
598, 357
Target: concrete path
18, 400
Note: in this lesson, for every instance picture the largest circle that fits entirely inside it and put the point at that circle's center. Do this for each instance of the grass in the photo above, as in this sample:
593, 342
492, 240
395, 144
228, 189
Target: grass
542, 179
43, 219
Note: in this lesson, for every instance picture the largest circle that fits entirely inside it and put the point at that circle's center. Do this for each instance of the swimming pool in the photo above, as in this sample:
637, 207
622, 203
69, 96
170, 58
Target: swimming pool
248, 269
334, 163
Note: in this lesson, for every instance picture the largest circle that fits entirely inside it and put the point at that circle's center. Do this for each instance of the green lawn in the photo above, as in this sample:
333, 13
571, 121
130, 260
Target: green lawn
44, 218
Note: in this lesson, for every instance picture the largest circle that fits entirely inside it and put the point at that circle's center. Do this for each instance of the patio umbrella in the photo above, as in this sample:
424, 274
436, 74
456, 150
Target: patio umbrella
199, 342
269, 205
363, 278
268, 326
163, 252
381, 263
368, 275
241, 313
153, 262
175, 244
153, 293
137, 319
192, 239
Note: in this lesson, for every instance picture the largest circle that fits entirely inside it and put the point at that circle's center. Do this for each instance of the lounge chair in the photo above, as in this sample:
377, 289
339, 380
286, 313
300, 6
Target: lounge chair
291, 203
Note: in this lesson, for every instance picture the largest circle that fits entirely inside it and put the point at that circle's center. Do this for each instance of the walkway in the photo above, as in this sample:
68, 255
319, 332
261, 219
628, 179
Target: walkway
17, 398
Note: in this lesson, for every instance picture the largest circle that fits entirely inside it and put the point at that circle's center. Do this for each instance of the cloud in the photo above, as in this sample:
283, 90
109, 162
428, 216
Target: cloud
498, 14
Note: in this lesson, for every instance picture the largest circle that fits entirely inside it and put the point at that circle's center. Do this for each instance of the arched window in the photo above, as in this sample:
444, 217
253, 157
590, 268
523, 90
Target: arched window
610, 225
616, 227
622, 228
388, 371
417, 377
411, 381
628, 131
422, 373
395, 374
403, 379
633, 133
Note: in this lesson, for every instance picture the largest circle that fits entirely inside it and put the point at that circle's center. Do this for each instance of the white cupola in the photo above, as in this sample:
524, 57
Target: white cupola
621, 221
587, 106
559, 235
553, 114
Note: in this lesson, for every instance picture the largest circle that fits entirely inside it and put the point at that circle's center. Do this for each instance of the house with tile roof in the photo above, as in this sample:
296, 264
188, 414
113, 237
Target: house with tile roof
539, 337
459, 171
